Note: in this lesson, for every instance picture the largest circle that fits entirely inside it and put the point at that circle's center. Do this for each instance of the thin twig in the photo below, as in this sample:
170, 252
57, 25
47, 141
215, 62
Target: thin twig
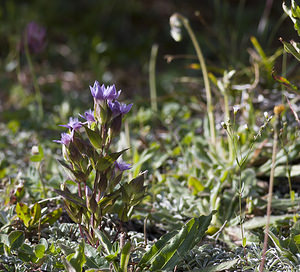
152, 79
275, 143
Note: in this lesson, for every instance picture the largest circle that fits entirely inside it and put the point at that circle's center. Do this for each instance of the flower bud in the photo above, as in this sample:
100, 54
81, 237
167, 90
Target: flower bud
278, 109
116, 125
90, 199
223, 124
236, 109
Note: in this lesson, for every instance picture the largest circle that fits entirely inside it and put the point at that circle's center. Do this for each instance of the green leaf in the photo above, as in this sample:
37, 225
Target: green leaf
77, 259
35, 214
284, 81
244, 242
4, 239
16, 239
261, 221
38, 157
94, 137
71, 197
44, 242
195, 184
26, 254
219, 267
66, 250
104, 163
293, 13
108, 160
292, 48
94, 259
23, 213
125, 255
39, 251
52, 217
297, 239
67, 265
283, 251
164, 254
104, 241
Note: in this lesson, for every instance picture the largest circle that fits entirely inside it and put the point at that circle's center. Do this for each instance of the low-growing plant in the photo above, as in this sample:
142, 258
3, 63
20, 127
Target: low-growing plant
100, 191
95, 168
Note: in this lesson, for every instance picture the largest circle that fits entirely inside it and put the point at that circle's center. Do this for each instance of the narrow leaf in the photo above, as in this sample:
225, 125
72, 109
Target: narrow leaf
163, 255
104, 241
71, 197
94, 137
125, 255
35, 214
52, 217
219, 267
292, 48
78, 259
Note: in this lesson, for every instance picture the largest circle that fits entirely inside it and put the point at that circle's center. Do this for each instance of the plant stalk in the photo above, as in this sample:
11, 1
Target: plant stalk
271, 183
152, 80
205, 77
38, 95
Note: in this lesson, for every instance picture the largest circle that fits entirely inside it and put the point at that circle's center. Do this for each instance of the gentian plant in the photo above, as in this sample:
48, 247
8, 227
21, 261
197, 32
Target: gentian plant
95, 168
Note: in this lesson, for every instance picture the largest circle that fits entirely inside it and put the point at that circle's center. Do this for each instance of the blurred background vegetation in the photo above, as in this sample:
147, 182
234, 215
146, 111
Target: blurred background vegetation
111, 40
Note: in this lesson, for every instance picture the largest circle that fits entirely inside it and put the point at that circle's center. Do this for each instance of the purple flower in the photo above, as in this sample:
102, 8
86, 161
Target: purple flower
102, 93
119, 108
122, 166
65, 139
88, 116
35, 37
73, 124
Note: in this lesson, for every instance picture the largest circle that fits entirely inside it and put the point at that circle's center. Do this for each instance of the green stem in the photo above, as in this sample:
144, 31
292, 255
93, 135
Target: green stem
152, 81
38, 95
227, 117
205, 77
42, 181
240, 207
275, 143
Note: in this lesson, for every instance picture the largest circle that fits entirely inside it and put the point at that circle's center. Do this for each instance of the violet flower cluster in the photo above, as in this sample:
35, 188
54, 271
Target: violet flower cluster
86, 149
105, 99
34, 38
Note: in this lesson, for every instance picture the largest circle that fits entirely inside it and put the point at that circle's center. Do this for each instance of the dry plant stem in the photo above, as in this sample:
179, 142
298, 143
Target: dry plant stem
270, 194
205, 77
152, 81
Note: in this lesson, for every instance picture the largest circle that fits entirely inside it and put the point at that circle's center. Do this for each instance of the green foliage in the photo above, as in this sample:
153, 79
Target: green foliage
123, 226
33, 217
167, 251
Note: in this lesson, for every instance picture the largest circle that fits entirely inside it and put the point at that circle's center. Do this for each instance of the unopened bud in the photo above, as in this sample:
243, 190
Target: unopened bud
236, 109
223, 124
116, 125
35, 150
278, 109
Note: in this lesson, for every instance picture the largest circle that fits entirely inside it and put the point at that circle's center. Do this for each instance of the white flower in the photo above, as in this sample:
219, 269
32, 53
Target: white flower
236, 108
